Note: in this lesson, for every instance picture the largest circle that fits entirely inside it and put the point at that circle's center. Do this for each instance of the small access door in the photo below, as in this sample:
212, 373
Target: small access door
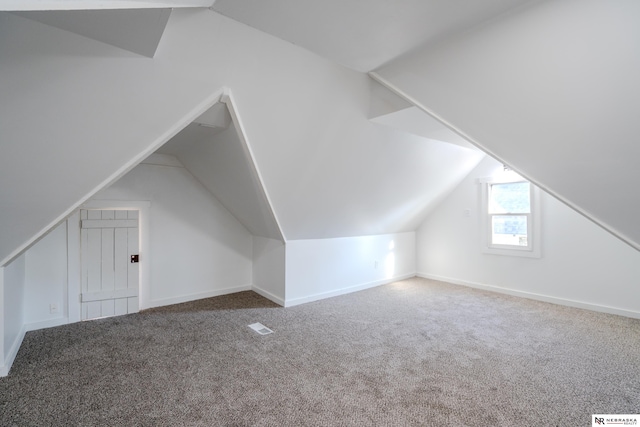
109, 252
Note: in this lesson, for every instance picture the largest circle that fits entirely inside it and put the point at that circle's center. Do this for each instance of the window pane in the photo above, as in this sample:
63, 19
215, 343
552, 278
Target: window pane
510, 198
509, 230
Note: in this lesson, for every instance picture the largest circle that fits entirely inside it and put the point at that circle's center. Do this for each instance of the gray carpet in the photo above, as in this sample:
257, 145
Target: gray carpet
416, 352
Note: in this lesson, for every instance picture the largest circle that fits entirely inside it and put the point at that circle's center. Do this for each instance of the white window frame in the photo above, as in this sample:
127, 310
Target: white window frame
533, 249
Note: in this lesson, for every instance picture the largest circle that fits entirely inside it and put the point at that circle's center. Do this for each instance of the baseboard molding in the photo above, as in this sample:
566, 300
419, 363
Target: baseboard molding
347, 290
46, 324
201, 295
268, 295
13, 352
538, 297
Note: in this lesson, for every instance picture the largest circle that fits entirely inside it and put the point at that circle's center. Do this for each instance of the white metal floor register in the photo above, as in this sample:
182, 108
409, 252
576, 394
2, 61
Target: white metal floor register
260, 328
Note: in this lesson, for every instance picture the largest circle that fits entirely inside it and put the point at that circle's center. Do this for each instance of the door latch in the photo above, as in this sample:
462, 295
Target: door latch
134, 258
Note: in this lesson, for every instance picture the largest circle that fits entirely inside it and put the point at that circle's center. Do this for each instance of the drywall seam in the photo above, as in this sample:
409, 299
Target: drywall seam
157, 143
375, 76
192, 297
268, 295
227, 98
534, 296
347, 290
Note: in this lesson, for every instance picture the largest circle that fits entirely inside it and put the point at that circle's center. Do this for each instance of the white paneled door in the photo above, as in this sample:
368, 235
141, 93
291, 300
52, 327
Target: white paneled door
109, 240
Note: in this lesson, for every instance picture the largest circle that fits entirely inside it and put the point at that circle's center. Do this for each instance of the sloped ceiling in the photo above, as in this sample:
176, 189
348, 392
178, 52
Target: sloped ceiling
74, 114
541, 88
77, 114
553, 91
548, 87
23, 5
417, 122
212, 151
362, 34
136, 30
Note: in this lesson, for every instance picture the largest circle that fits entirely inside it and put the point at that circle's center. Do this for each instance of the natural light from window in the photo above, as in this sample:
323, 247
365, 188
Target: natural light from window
509, 208
510, 215
390, 261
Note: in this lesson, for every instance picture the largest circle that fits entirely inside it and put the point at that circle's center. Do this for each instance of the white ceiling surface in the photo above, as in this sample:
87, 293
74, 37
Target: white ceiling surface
417, 122
389, 109
24, 5
214, 155
216, 118
328, 171
543, 88
136, 30
74, 114
362, 34
551, 90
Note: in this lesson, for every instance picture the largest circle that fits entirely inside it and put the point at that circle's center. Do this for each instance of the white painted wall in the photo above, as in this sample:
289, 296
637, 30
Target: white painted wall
198, 249
323, 268
269, 268
581, 264
12, 311
551, 90
46, 277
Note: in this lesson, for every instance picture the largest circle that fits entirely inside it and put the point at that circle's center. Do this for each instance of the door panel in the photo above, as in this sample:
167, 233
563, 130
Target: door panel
109, 279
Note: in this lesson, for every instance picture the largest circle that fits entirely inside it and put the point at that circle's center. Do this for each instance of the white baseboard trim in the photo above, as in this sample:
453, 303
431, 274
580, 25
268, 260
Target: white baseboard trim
201, 295
13, 352
268, 295
347, 290
538, 297
46, 324
15, 347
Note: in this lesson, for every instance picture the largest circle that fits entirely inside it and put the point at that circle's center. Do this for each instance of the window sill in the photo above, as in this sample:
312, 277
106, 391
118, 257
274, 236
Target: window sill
525, 253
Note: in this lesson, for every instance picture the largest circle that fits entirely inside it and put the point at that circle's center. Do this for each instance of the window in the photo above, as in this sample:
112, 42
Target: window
510, 216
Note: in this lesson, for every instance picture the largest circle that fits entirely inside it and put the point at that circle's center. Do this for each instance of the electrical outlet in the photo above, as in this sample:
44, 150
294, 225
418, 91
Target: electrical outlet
466, 213
53, 308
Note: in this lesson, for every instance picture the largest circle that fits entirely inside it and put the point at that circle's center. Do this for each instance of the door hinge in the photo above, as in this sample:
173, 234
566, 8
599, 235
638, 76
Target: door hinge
134, 258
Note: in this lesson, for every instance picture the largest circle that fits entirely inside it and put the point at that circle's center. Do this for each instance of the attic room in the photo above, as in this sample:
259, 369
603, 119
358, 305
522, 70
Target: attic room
321, 167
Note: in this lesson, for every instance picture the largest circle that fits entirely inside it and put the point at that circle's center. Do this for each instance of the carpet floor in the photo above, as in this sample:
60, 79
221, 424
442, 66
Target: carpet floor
413, 353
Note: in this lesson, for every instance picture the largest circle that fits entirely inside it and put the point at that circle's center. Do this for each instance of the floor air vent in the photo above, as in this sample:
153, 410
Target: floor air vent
260, 328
